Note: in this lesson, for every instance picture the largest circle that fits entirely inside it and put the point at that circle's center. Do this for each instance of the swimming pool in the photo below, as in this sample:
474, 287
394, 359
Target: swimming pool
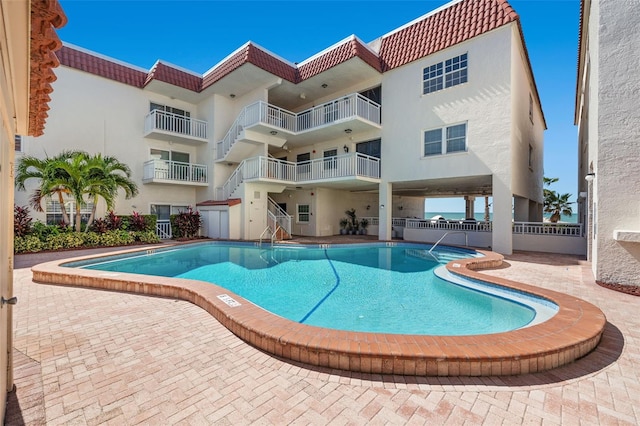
368, 288
574, 331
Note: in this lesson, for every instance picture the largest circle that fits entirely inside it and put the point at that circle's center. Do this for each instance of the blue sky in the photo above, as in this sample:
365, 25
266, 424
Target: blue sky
198, 34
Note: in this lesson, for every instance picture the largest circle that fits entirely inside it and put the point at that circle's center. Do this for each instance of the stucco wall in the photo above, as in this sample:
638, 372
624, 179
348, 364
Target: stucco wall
484, 103
617, 115
98, 115
526, 179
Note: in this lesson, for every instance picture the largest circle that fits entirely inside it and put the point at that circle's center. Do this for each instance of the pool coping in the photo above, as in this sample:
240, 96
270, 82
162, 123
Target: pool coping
571, 334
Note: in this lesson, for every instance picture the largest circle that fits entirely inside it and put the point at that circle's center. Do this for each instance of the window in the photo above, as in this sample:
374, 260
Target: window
303, 157
304, 213
455, 138
330, 159
172, 119
181, 157
444, 74
172, 110
17, 143
163, 212
530, 108
433, 142
53, 212
530, 157
370, 148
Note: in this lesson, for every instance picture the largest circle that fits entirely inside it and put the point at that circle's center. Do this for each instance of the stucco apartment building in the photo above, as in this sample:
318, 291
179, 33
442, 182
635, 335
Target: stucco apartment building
608, 120
27, 41
445, 105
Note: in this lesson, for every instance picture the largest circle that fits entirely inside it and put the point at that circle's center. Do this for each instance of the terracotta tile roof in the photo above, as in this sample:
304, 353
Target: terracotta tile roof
102, 67
229, 65
455, 24
445, 28
45, 16
177, 77
342, 53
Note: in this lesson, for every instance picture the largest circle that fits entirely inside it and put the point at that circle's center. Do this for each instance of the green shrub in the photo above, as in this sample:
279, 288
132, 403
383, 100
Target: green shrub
147, 237
43, 231
27, 244
90, 239
139, 222
63, 241
116, 238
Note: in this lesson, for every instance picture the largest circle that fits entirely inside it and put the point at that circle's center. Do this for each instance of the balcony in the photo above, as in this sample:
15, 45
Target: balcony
340, 172
174, 172
260, 122
172, 127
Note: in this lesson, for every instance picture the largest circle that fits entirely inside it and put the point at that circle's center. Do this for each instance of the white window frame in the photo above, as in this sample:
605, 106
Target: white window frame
52, 207
166, 108
448, 73
298, 213
531, 108
444, 140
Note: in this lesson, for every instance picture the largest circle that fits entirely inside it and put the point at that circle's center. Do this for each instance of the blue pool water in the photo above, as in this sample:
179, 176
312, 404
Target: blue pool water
370, 288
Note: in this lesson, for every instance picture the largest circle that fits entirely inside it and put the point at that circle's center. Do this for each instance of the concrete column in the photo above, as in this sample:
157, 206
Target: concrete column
520, 209
385, 212
502, 239
469, 207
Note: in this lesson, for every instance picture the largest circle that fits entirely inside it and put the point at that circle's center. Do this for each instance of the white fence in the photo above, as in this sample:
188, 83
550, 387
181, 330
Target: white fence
174, 123
163, 229
564, 238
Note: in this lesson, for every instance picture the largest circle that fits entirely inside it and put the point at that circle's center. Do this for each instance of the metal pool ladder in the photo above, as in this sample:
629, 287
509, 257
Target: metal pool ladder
272, 236
466, 238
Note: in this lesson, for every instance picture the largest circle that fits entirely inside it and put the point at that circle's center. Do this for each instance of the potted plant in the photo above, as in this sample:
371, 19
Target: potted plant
344, 223
364, 223
351, 214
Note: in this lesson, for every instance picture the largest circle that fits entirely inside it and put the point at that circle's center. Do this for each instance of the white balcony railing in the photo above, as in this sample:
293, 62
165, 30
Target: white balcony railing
174, 170
280, 217
329, 168
350, 106
174, 123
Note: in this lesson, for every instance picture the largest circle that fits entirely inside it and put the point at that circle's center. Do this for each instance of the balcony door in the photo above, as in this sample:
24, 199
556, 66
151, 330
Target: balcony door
172, 165
174, 120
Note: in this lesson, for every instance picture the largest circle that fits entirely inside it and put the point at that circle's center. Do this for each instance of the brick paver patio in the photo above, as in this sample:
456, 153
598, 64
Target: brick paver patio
96, 357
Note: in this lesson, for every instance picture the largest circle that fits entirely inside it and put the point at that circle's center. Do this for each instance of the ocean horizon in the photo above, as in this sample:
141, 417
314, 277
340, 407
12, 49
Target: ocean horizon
480, 216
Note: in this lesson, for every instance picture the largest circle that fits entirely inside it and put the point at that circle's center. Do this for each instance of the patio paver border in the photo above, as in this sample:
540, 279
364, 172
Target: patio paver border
571, 334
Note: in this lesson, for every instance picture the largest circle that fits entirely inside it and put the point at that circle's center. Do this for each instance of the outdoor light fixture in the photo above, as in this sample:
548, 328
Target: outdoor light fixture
273, 132
347, 131
345, 148
324, 85
590, 177
11, 301
382, 206
232, 95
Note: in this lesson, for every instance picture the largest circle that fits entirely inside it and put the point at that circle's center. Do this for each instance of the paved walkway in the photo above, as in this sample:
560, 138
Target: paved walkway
95, 357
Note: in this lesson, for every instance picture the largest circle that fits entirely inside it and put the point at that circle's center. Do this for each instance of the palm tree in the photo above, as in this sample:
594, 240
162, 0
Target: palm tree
76, 174
106, 176
52, 180
557, 205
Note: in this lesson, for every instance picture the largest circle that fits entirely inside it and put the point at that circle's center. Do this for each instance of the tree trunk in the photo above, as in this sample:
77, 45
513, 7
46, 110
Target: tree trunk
63, 209
78, 218
555, 217
93, 214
